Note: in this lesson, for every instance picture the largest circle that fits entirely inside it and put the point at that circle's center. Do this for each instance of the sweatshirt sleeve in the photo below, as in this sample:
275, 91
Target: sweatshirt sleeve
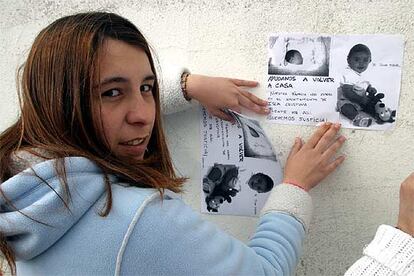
173, 240
391, 252
171, 97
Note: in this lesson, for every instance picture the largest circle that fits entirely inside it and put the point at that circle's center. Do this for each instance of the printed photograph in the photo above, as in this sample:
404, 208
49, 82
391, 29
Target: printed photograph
368, 73
299, 55
256, 143
238, 166
260, 182
219, 185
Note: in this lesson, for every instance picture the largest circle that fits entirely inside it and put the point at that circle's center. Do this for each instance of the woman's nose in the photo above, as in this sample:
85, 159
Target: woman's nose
140, 109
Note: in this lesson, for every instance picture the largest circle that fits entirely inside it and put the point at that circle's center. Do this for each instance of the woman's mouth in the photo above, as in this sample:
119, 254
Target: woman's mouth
135, 147
134, 142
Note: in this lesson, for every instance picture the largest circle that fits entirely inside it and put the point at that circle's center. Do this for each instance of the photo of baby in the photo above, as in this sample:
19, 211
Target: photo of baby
222, 184
365, 98
298, 55
239, 166
260, 182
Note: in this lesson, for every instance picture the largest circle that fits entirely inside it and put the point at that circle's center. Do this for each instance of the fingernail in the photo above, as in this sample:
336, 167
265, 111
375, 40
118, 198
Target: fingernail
266, 109
337, 126
327, 124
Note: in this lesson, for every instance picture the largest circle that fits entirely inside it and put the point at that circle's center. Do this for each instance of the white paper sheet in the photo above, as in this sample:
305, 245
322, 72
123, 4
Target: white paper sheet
305, 73
239, 167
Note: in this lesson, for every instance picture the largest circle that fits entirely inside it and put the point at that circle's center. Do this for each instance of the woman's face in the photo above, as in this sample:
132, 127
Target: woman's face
127, 103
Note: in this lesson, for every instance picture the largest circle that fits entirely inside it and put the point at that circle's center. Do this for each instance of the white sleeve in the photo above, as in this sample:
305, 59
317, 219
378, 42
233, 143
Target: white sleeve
391, 252
292, 200
171, 97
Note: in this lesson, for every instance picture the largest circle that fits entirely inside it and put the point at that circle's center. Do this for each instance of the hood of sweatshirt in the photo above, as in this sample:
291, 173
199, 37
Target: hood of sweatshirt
37, 216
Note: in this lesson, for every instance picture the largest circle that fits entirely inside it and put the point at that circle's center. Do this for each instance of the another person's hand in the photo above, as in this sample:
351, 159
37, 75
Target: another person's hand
310, 163
406, 214
217, 94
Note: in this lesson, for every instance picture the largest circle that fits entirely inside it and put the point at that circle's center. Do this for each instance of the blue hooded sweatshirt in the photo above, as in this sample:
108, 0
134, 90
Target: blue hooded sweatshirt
142, 235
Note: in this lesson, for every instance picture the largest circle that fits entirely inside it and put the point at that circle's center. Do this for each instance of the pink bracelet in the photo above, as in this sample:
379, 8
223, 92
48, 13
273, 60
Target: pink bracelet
294, 184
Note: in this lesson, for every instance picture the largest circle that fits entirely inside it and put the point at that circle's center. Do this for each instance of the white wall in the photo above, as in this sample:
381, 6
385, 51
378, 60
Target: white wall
229, 38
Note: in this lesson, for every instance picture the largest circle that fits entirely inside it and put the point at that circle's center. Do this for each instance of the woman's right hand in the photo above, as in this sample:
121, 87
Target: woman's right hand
406, 214
310, 163
217, 94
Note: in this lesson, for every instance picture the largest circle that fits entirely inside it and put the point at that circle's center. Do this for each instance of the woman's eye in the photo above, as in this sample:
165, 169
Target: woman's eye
111, 93
146, 88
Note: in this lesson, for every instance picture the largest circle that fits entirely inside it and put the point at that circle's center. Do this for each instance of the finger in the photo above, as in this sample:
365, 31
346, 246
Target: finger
333, 149
222, 115
409, 181
317, 135
236, 108
247, 83
296, 147
327, 139
253, 98
332, 166
247, 103
410, 178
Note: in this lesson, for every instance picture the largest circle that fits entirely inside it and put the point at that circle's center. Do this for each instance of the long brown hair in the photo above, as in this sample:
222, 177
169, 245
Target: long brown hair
58, 107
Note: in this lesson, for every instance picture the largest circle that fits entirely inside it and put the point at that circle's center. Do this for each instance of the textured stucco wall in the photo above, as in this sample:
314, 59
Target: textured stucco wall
229, 38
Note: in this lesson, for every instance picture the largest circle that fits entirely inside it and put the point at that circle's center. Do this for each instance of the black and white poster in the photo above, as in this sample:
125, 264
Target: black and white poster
351, 79
239, 166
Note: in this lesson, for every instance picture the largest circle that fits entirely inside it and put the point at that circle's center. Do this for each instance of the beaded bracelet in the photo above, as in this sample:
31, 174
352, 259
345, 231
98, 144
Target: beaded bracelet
183, 83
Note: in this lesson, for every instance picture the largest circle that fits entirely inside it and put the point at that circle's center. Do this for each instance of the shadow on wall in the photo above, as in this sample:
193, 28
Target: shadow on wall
305, 56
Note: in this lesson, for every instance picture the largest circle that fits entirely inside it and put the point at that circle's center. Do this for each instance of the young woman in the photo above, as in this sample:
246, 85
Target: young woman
85, 169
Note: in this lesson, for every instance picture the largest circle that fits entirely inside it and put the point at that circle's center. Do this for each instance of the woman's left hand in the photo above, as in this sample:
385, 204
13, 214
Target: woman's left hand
217, 94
